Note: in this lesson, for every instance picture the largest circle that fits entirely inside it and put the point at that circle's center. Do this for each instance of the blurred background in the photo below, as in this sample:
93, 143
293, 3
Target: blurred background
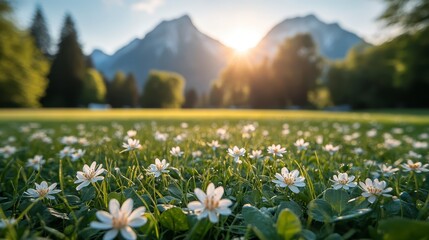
280, 54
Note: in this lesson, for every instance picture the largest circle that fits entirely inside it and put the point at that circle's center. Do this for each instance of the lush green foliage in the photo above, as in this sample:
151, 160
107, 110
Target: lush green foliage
260, 209
163, 90
394, 74
411, 14
94, 89
23, 67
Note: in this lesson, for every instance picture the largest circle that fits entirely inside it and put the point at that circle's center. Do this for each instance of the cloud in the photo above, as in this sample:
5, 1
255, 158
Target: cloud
148, 6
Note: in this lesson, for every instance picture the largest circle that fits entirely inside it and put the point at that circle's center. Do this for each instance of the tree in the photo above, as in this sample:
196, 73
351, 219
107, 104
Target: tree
94, 89
67, 74
130, 90
191, 98
163, 90
122, 91
410, 14
296, 68
263, 88
234, 82
39, 32
23, 67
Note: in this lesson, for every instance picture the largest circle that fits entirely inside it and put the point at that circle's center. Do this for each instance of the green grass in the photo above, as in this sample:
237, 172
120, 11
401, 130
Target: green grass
259, 209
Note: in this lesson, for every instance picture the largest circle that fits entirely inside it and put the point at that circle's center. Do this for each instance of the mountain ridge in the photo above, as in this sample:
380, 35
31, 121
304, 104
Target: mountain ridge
177, 45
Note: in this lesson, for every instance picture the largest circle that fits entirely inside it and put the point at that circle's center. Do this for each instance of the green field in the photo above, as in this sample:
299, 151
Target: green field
381, 152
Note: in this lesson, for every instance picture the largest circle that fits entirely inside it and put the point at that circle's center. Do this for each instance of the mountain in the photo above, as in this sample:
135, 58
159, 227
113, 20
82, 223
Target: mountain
333, 41
174, 45
99, 57
177, 45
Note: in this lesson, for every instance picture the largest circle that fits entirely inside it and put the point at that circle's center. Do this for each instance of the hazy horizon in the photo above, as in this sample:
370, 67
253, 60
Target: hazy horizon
218, 20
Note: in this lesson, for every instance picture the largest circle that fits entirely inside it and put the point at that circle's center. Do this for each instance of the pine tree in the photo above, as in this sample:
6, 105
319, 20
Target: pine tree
131, 93
39, 32
68, 70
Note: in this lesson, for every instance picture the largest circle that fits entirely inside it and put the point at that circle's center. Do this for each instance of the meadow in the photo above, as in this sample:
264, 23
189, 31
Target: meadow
213, 174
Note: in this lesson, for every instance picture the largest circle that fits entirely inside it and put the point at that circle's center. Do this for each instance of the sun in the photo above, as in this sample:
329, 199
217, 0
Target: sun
242, 40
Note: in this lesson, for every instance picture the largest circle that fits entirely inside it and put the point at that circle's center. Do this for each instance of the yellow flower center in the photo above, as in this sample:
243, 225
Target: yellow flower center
119, 222
159, 166
374, 190
289, 180
89, 175
42, 192
414, 165
343, 181
211, 203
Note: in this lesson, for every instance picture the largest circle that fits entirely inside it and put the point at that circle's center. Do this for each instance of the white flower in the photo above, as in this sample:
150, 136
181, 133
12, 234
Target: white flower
417, 167
7, 151
343, 181
36, 162
210, 204
331, 149
289, 179
175, 151
83, 141
371, 133
162, 137
68, 140
158, 168
120, 219
276, 150
89, 175
413, 154
197, 154
256, 154
236, 153
222, 133
77, 155
43, 190
131, 145
214, 144
387, 171
301, 144
358, 151
372, 190
319, 140
390, 143
418, 144
67, 152
131, 133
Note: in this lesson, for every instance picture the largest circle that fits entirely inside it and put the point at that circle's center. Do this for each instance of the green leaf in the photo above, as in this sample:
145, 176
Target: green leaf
262, 224
352, 214
117, 196
334, 236
288, 224
402, 228
308, 235
337, 199
87, 193
174, 219
291, 205
320, 210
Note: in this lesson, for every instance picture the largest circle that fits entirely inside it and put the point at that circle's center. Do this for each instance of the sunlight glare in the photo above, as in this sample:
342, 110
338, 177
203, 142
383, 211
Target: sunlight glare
242, 40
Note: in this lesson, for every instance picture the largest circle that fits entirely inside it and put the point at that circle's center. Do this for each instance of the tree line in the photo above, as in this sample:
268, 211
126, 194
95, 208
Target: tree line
392, 74
32, 75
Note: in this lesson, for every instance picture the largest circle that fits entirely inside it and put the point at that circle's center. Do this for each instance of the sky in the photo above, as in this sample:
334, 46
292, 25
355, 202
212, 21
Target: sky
111, 24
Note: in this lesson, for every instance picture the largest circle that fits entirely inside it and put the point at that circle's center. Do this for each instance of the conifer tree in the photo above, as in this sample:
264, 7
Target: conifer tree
40, 33
67, 74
